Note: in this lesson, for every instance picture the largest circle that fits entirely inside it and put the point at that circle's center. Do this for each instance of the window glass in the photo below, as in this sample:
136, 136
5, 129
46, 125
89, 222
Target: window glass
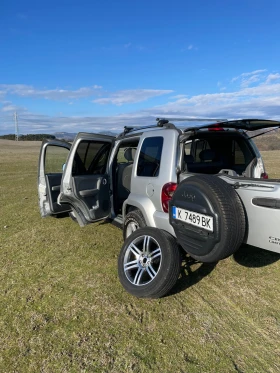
55, 158
188, 148
91, 157
120, 156
238, 154
126, 151
150, 156
199, 146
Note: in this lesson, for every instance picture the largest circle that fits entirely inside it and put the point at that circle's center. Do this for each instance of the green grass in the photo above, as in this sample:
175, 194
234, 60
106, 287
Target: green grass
62, 308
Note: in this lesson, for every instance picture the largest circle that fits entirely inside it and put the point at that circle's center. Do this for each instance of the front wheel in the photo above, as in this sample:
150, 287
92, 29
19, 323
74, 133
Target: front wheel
149, 263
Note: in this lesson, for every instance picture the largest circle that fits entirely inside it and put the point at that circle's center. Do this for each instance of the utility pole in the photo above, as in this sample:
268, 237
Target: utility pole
16, 126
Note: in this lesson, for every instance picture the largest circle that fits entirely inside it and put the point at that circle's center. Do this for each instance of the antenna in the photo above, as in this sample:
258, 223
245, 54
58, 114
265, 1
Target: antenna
16, 126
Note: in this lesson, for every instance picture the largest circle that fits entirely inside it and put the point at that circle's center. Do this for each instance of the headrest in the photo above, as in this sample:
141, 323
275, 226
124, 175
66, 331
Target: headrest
129, 154
207, 155
188, 158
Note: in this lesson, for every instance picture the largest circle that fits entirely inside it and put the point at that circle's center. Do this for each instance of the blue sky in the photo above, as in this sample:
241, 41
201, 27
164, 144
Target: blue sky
91, 65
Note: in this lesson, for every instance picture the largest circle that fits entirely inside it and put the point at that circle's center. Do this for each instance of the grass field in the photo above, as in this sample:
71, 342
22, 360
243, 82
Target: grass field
62, 308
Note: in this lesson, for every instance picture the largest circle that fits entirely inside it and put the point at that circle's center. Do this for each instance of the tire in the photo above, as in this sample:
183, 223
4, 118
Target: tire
133, 221
211, 196
155, 263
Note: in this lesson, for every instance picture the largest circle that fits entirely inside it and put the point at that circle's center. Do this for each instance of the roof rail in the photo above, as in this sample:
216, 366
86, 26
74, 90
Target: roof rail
160, 123
166, 122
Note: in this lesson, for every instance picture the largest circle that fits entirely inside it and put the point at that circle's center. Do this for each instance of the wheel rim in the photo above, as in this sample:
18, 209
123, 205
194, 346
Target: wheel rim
131, 227
142, 260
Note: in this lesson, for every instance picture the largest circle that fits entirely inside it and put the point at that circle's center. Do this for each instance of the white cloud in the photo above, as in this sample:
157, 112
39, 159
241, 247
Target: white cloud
130, 96
49, 94
128, 45
189, 48
272, 77
177, 97
6, 108
244, 75
250, 80
261, 100
116, 98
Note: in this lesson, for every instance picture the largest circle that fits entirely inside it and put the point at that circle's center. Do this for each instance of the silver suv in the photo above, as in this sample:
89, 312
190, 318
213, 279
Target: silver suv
202, 189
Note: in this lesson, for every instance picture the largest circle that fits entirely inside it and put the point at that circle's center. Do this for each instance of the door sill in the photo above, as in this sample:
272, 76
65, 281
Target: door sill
118, 221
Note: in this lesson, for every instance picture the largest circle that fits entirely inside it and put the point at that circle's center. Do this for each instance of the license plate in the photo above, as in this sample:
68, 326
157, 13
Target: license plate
193, 218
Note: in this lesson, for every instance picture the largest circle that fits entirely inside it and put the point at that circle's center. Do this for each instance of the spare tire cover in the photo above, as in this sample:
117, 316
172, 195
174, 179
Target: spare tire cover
208, 217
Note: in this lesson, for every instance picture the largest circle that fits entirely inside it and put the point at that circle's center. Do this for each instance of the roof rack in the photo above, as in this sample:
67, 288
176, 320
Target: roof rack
166, 122
160, 123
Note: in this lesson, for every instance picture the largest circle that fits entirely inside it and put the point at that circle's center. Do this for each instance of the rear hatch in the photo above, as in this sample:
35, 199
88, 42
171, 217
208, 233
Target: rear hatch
260, 198
242, 124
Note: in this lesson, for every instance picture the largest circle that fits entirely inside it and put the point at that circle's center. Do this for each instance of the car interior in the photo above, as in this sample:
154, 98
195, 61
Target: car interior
211, 153
122, 172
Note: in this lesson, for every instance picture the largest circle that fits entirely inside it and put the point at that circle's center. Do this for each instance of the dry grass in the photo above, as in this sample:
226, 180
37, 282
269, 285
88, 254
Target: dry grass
62, 308
272, 163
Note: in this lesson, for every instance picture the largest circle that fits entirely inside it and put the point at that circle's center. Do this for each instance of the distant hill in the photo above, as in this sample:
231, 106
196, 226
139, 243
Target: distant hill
268, 141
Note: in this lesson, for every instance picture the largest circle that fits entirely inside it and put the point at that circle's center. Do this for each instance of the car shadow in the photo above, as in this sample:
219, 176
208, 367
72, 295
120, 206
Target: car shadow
190, 276
193, 271
254, 257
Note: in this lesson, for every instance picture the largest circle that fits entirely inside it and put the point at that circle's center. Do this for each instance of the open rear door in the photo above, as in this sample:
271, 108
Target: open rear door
85, 182
53, 156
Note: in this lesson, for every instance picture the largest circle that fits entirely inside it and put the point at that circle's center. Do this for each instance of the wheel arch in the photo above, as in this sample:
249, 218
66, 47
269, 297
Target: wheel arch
144, 204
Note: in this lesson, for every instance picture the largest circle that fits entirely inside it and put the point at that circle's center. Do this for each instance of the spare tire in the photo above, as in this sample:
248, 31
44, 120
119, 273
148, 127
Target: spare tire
208, 218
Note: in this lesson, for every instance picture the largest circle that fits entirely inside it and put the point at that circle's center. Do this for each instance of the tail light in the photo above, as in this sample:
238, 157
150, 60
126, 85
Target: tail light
264, 175
166, 194
216, 127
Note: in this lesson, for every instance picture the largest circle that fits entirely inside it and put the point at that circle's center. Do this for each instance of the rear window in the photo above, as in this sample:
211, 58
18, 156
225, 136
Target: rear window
150, 157
211, 153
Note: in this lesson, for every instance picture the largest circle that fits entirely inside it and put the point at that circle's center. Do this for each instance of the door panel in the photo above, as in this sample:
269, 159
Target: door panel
53, 156
85, 181
53, 182
93, 192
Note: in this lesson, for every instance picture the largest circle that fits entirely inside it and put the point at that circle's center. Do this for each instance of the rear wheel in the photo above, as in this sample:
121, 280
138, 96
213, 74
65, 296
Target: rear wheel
149, 263
133, 221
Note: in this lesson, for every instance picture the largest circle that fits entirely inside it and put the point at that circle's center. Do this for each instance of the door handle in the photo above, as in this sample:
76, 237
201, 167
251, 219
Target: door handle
88, 192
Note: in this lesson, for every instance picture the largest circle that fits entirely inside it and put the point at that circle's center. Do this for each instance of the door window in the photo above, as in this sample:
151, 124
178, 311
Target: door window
188, 147
55, 158
239, 158
91, 158
150, 156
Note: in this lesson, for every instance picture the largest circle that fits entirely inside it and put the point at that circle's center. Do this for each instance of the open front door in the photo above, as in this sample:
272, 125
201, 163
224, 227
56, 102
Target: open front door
53, 156
85, 182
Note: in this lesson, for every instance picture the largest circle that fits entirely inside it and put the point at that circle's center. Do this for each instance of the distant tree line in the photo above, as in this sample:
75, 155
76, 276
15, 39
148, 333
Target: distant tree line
29, 137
